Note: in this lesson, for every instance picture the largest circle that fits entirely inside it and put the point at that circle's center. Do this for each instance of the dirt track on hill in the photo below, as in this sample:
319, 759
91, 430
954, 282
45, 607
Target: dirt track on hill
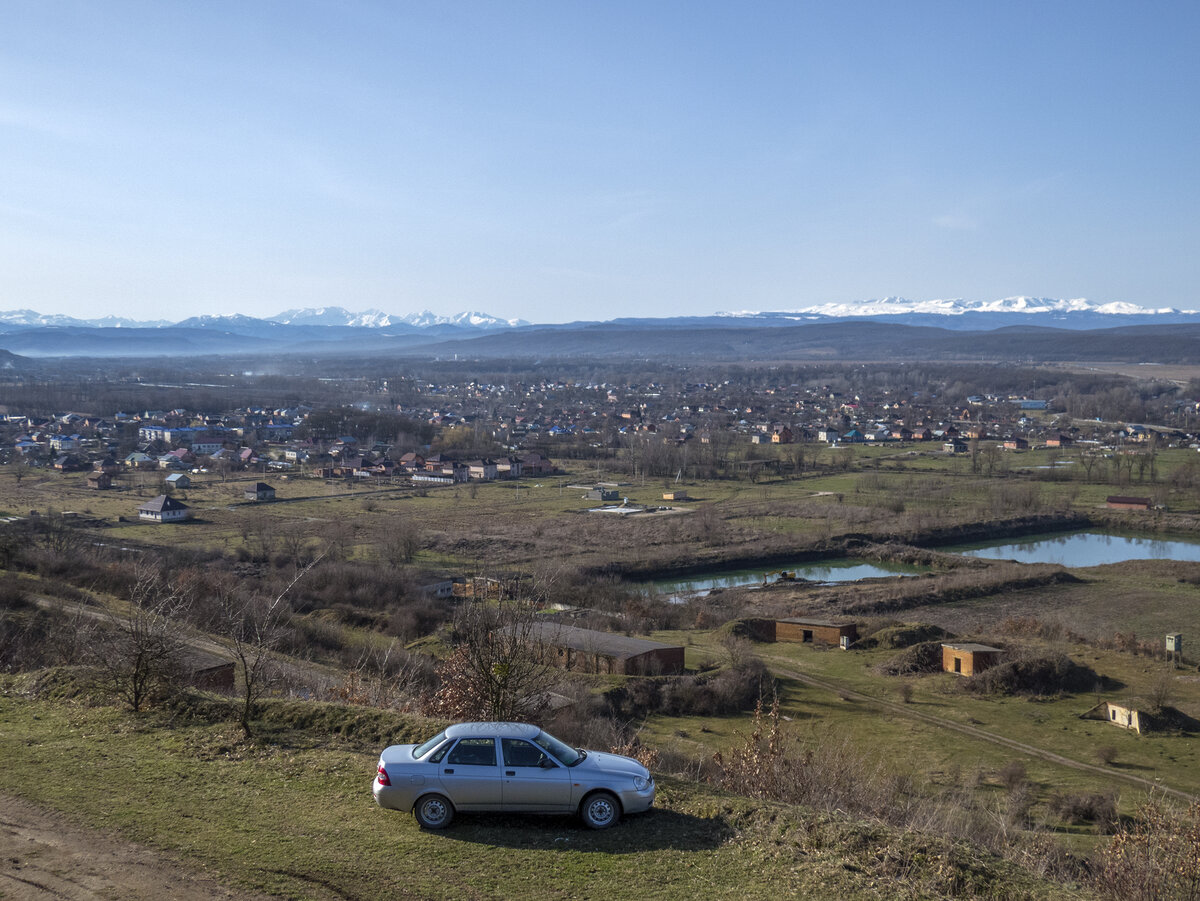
44, 856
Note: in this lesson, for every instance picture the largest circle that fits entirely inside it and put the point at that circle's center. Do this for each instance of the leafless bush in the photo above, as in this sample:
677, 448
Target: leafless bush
388, 677
1092, 807
1162, 690
1033, 674
137, 652
1156, 857
1012, 774
1106, 754
925, 657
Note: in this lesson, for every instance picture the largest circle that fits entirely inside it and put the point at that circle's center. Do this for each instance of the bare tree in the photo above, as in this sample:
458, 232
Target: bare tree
399, 541
138, 653
251, 626
497, 670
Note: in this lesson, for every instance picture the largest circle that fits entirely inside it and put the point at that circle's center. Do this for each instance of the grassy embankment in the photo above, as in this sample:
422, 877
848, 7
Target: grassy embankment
291, 814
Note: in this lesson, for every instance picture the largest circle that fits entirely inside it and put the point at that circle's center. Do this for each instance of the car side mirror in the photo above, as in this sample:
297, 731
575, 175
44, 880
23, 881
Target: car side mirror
547, 764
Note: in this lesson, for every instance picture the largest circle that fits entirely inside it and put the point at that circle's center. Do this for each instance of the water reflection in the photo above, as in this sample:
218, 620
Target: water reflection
1081, 549
844, 570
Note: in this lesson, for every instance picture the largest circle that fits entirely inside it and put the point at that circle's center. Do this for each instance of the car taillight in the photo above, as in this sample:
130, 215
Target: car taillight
383, 776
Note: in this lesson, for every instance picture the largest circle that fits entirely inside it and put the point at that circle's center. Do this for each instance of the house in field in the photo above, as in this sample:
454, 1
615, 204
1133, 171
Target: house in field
164, 509
1124, 714
259, 491
816, 631
99, 481
1121, 502
178, 480
590, 651
967, 659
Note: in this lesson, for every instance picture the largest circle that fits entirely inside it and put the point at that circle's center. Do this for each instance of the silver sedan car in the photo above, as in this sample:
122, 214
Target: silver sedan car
511, 767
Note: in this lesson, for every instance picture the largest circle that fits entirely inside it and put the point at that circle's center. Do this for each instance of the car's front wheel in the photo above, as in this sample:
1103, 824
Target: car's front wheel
434, 812
600, 810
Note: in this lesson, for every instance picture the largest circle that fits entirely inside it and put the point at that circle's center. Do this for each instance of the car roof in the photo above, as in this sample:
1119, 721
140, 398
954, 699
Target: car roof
492, 730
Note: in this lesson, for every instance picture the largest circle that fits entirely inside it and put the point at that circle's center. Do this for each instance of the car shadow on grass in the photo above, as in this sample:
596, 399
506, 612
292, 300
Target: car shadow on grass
655, 830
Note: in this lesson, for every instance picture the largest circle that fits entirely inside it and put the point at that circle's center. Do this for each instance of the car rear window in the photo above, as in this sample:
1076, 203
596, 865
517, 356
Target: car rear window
423, 749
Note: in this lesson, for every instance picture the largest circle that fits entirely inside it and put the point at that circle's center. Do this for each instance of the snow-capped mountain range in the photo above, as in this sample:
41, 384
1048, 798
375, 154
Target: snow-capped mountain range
379, 319
322, 316
900, 306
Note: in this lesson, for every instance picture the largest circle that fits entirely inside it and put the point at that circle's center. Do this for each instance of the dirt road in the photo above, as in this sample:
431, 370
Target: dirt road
43, 856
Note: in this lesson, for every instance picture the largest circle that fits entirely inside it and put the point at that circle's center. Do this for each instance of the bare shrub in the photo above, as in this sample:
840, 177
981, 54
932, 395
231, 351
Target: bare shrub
1033, 674
1012, 774
137, 653
1156, 857
905, 691
1106, 754
925, 657
1162, 690
1092, 807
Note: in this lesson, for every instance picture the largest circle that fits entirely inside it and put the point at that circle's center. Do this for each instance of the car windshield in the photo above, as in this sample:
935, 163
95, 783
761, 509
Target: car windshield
563, 752
422, 750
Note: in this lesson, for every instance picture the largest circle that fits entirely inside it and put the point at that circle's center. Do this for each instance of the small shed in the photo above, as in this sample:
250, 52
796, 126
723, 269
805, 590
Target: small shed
99, 480
591, 651
680, 495
179, 480
209, 671
260, 491
816, 631
1122, 502
967, 659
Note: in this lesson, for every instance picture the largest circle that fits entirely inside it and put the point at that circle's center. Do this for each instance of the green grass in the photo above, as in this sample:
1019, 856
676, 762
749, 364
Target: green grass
936, 756
292, 815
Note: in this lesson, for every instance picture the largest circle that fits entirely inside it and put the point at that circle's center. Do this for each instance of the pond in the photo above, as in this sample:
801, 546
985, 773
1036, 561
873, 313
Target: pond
1080, 549
843, 569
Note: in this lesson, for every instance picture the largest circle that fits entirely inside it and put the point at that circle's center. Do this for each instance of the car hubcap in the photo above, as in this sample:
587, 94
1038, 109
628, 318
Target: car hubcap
600, 810
433, 811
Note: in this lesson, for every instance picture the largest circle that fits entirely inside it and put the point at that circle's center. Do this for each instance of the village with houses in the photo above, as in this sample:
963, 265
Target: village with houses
397, 514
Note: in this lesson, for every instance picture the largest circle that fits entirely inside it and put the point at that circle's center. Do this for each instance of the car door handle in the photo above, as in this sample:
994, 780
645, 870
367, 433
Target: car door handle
448, 772
510, 772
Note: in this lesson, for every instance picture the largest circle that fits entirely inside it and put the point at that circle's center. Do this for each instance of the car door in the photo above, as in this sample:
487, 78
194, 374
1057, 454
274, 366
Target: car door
533, 780
470, 775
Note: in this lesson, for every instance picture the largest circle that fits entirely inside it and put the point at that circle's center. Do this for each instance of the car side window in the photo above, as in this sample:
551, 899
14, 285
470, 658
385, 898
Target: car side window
521, 753
436, 756
474, 752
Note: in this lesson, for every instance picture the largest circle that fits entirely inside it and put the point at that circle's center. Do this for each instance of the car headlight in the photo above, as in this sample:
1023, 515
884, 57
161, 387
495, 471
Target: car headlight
641, 783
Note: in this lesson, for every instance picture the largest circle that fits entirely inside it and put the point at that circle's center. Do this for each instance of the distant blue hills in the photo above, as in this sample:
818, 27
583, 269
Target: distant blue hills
890, 325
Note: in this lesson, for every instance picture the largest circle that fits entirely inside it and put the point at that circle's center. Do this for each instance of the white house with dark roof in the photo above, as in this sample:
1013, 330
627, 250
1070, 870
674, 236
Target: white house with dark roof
164, 509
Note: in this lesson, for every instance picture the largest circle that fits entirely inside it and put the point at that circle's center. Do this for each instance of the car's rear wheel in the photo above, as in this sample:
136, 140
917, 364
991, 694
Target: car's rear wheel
434, 812
600, 810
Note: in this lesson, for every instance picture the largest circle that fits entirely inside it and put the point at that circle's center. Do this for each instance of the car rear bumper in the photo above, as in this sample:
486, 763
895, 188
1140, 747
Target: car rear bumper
393, 797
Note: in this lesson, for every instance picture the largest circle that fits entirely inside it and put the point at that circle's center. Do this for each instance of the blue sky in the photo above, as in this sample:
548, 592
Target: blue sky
586, 160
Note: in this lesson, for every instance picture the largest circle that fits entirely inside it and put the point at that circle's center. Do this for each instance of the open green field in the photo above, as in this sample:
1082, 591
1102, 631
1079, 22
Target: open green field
940, 757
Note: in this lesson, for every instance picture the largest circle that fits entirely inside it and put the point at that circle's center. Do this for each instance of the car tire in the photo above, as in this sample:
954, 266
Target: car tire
433, 812
600, 810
